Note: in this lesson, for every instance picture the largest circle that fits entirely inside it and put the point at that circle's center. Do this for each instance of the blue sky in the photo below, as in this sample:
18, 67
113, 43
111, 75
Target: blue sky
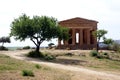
106, 12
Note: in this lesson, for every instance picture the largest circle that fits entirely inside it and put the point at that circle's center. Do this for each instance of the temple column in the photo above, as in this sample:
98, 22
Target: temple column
88, 36
94, 40
81, 37
73, 36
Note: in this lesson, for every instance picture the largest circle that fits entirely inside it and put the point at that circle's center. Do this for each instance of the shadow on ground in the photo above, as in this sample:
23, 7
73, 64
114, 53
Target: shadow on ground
69, 61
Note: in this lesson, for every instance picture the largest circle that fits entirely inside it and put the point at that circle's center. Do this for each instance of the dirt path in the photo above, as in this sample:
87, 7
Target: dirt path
87, 74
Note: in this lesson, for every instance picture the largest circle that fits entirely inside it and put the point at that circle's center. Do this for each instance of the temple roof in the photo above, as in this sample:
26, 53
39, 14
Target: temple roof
78, 20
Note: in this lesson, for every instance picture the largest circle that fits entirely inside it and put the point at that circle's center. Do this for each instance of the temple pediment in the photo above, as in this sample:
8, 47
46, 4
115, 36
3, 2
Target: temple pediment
78, 22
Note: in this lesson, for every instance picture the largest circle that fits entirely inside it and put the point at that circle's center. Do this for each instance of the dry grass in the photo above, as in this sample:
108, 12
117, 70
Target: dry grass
83, 58
11, 69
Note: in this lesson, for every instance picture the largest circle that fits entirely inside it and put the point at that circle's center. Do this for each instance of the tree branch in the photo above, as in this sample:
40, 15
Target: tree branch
41, 40
34, 37
33, 41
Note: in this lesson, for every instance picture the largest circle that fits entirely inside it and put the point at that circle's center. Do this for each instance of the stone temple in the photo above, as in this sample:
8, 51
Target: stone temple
80, 31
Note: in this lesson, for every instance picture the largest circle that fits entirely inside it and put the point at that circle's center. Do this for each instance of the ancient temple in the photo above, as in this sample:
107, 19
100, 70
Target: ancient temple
80, 31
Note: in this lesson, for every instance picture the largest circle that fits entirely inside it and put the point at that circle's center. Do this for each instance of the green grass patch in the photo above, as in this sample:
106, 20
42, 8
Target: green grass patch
27, 73
94, 53
38, 66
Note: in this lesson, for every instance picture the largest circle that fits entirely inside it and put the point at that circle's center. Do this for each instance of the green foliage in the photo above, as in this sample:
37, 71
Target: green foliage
37, 66
98, 55
63, 33
3, 48
38, 29
49, 57
94, 53
35, 54
99, 34
108, 41
105, 53
26, 47
27, 73
21, 28
4, 40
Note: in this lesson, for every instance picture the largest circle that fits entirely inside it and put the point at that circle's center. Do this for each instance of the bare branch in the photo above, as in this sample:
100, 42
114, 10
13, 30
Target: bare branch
33, 41
35, 37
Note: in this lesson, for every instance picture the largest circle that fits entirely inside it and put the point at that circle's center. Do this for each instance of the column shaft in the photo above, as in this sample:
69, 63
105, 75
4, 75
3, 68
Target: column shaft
81, 36
73, 36
88, 36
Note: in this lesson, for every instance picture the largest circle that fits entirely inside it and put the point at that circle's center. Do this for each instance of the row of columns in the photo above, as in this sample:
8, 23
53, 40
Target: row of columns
81, 36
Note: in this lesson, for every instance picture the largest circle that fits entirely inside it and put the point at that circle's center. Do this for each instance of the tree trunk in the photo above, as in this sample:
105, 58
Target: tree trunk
37, 48
38, 53
97, 47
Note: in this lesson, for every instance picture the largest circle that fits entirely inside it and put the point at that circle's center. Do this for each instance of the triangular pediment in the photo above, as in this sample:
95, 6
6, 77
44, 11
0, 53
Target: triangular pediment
78, 20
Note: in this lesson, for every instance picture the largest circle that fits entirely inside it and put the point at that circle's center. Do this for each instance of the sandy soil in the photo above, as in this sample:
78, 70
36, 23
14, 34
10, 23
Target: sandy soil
80, 72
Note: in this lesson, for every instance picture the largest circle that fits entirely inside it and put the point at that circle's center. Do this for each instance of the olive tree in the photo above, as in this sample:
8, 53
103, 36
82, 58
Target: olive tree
99, 34
37, 29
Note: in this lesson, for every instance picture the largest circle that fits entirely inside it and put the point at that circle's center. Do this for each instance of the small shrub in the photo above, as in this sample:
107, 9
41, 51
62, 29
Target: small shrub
69, 54
105, 53
49, 57
26, 47
37, 66
35, 54
27, 73
94, 53
99, 57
